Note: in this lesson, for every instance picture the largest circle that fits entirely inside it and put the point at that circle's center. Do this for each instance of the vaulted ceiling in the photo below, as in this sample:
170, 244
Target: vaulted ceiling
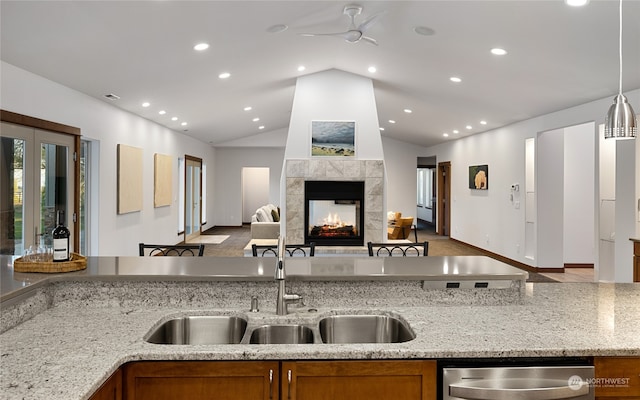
558, 56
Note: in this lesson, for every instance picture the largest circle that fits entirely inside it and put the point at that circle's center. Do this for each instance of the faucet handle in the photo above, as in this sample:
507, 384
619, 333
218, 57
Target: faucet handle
254, 304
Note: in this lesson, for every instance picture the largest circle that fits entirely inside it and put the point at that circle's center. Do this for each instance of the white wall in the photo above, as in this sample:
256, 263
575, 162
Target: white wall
334, 96
228, 177
579, 194
400, 161
493, 216
550, 198
25, 93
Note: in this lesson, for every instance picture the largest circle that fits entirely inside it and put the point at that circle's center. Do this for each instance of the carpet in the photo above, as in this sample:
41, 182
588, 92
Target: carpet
209, 239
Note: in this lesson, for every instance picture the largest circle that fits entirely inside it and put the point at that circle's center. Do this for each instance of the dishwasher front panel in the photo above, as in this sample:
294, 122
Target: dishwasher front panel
521, 383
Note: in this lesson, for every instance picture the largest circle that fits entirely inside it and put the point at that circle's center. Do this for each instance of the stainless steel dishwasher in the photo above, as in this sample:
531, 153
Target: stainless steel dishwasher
521, 383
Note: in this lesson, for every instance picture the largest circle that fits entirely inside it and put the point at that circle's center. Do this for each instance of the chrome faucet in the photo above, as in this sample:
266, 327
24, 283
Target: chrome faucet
283, 298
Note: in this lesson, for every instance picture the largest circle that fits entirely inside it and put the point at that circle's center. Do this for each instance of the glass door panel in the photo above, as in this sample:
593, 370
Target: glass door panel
193, 196
12, 203
36, 180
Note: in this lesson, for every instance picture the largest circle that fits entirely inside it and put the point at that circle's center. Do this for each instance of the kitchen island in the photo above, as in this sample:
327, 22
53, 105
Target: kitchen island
66, 334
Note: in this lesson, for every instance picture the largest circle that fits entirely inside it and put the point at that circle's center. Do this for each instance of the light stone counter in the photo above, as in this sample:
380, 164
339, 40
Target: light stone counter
90, 327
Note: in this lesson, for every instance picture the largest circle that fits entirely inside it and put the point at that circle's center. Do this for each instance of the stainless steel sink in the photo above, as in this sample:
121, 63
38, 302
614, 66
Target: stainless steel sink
281, 334
200, 329
364, 329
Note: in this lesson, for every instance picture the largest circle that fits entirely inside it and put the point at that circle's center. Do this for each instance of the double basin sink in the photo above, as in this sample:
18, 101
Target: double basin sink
223, 329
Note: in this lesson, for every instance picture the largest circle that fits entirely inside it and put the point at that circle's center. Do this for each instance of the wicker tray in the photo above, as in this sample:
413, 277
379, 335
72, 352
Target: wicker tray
77, 263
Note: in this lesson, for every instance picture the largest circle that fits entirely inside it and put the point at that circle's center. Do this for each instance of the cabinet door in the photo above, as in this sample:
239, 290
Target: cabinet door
111, 389
617, 378
359, 380
199, 380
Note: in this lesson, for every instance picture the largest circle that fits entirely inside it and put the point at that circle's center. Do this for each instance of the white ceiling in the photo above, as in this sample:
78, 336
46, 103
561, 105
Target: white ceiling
559, 56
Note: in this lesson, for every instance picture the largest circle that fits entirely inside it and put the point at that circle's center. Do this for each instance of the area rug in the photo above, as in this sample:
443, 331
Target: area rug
209, 239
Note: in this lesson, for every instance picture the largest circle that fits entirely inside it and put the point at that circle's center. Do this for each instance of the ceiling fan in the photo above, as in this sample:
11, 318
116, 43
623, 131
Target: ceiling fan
354, 33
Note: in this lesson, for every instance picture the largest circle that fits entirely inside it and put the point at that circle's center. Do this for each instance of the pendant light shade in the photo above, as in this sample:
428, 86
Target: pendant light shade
621, 120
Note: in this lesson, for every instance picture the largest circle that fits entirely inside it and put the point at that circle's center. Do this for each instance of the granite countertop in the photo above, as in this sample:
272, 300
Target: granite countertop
13, 284
92, 328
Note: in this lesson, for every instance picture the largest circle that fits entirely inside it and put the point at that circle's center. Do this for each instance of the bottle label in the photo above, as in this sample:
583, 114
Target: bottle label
61, 249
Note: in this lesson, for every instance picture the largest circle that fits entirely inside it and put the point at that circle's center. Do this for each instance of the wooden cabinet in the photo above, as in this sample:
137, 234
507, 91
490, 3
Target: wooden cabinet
359, 380
636, 261
111, 389
289, 380
617, 378
199, 380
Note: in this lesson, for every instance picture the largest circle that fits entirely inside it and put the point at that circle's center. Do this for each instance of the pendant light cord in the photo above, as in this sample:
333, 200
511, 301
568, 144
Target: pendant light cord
620, 50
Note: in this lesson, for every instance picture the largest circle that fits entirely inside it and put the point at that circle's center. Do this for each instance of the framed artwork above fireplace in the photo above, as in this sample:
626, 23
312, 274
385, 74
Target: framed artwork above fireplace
333, 138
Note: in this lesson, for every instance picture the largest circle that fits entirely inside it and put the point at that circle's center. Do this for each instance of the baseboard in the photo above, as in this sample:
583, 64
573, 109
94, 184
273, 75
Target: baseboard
508, 260
576, 265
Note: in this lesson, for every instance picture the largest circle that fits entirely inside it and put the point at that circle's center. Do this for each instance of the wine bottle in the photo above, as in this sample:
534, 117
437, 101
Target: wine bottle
61, 240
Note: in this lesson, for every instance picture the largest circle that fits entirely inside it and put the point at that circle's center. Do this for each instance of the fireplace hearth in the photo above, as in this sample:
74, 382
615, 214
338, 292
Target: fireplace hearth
334, 213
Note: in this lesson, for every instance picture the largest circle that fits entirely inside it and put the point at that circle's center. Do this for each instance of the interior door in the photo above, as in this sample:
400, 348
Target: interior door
444, 194
193, 198
37, 181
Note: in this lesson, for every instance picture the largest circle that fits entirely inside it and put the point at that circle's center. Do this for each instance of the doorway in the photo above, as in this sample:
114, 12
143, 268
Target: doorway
444, 194
192, 198
255, 190
37, 180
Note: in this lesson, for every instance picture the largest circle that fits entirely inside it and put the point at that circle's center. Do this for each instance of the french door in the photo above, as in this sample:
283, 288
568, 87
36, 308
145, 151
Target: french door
37, 179
193, 198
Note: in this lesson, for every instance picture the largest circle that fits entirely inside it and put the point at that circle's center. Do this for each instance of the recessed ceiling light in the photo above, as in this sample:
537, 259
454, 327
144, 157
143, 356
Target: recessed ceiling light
201, 46
146, 104
381, 128
256, 119
162, 112
408, 111
184, 124
391, 121
498, 51
372, 69
261, 127
174, 118
277, 28
469, 127
455, 79
224, 75
445, 134
424, 31
301, 68
483, 122
456, 131
248, 108
576, 3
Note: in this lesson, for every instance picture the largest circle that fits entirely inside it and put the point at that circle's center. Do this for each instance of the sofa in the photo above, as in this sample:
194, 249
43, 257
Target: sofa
265, 223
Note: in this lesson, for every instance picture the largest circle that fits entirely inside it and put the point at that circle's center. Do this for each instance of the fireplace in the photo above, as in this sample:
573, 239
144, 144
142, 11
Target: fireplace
334, 213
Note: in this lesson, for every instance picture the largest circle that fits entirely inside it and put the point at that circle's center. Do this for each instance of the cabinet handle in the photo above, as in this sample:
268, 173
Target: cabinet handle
271, 384
289, 386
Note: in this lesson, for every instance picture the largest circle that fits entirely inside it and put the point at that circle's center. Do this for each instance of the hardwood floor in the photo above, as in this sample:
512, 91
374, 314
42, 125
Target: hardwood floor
572, 275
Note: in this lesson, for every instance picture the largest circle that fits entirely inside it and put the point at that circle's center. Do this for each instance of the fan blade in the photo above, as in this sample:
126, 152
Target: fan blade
369, 22
369, 40
340, 34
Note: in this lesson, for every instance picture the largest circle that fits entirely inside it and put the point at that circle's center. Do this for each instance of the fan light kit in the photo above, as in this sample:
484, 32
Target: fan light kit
354, 33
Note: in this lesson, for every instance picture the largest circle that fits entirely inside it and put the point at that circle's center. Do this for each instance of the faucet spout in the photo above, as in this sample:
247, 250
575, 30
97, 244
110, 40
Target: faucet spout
283, 298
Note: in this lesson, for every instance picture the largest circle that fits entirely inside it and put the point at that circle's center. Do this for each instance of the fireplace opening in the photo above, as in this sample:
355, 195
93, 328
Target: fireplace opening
334, 213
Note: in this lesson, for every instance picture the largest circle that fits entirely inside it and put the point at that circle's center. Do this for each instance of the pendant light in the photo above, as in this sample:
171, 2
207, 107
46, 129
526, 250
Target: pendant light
621, 120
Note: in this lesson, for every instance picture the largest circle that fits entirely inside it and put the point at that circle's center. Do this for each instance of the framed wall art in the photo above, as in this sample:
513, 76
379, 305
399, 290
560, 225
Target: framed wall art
479, 177
333, 138
129, 179
162, 180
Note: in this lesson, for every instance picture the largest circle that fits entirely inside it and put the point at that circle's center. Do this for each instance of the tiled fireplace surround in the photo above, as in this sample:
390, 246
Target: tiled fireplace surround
369, 171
